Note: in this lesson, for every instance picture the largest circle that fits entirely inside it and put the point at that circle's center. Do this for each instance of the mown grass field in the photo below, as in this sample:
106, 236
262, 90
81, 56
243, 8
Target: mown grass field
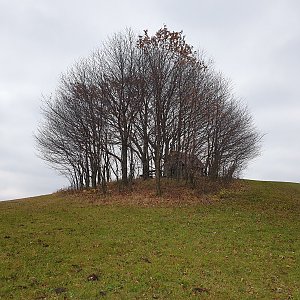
243, 244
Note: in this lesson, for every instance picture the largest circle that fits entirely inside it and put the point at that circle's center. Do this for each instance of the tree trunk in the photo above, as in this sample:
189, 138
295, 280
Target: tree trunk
145, 161
124, 163
157, 172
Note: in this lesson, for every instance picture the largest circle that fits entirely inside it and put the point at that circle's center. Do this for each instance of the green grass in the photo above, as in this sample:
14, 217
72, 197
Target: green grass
246, 246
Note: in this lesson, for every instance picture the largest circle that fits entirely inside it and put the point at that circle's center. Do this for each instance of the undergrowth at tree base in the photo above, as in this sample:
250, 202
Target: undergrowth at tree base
142, 192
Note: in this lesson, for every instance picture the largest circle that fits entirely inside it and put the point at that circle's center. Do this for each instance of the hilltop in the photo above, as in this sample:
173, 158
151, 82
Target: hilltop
239, 243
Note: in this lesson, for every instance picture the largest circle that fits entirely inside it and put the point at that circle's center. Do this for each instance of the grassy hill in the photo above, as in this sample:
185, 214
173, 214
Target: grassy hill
243, 243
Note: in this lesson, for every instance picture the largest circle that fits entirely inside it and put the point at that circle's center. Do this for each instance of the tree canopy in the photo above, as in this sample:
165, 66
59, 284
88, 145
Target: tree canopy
122, 111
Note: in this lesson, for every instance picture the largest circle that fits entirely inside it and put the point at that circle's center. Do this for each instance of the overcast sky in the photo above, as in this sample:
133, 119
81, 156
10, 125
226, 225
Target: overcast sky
254, 43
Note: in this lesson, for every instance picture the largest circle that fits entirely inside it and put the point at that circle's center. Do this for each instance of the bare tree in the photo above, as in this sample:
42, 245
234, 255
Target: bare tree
166, 54
138, 100
120, 87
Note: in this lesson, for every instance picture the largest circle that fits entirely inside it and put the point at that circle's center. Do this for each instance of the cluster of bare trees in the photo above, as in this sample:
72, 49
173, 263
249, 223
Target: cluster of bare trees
119, 113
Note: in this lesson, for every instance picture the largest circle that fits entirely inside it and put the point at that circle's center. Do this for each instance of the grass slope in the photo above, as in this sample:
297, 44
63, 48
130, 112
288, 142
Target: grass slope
245, 246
